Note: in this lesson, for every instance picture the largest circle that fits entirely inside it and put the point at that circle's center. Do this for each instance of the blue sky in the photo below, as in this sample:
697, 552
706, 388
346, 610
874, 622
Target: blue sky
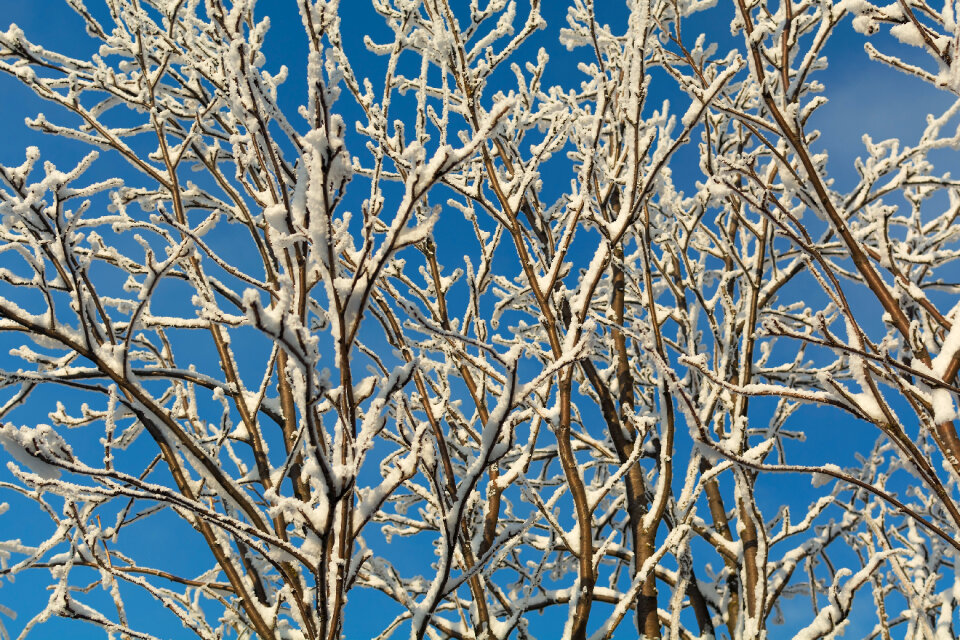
853, 110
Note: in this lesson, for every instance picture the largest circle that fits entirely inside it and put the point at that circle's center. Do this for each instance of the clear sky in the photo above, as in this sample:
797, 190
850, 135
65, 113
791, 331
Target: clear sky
853, 109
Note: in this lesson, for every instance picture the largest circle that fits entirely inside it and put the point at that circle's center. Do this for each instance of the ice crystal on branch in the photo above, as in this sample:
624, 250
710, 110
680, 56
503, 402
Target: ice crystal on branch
478, 311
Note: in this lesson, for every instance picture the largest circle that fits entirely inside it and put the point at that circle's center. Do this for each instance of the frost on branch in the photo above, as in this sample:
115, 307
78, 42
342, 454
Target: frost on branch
412, 308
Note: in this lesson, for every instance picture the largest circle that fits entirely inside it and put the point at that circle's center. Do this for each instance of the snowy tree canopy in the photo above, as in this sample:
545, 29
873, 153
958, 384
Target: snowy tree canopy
480, 320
